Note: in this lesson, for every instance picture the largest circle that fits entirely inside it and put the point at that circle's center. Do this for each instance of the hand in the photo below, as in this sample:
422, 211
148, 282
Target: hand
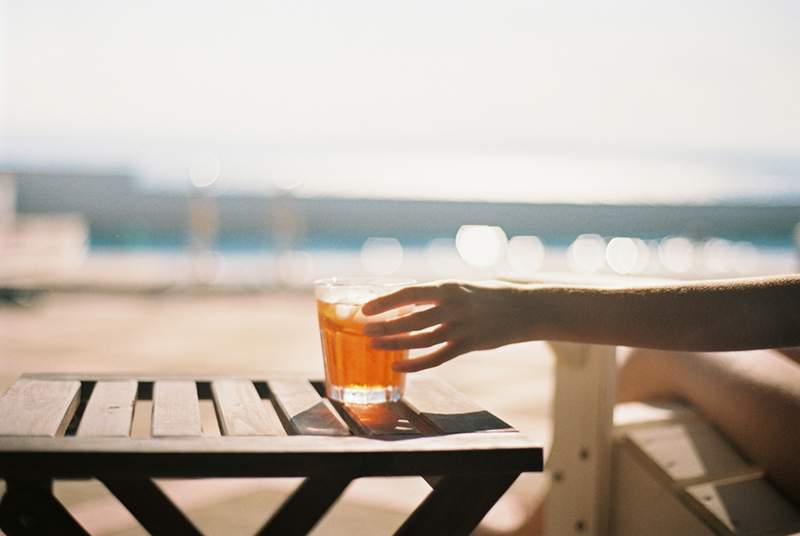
462, 316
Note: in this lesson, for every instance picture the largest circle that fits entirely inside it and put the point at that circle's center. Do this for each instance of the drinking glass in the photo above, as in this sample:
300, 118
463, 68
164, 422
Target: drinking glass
355, 372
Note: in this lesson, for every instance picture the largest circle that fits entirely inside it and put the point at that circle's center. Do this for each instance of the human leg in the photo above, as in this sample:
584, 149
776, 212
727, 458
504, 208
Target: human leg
752, 397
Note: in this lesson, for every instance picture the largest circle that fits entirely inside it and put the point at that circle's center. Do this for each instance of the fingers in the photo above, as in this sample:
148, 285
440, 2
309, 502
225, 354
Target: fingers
446, 353
418, 294
417, 340
397, 334
413, 322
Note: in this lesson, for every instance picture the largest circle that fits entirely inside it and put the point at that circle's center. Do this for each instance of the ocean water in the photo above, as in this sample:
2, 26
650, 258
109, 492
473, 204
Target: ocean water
498, 175
511, 172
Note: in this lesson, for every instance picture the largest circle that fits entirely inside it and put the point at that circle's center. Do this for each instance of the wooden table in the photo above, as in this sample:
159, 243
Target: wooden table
80, 426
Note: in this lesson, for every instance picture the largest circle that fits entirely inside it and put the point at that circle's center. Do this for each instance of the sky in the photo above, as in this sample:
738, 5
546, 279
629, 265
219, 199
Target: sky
265, 84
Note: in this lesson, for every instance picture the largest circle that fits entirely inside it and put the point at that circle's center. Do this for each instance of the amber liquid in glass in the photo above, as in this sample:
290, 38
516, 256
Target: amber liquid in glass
355, 371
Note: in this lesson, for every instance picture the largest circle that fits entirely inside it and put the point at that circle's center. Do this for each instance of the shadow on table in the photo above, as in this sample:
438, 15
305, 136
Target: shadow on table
396, 421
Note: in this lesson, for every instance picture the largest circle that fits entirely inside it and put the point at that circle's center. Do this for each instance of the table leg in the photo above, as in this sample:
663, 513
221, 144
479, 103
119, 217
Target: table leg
151, 508
306, 506
29, 508
457, 504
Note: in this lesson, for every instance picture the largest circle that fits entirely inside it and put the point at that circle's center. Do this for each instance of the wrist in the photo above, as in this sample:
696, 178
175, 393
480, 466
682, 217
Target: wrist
534, 312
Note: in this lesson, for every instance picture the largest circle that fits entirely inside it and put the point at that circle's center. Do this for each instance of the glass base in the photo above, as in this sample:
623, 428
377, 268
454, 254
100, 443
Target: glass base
363, 395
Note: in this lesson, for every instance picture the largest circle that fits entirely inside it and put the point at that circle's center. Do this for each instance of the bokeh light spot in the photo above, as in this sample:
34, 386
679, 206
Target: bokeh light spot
381, 256
525, 254
295, 268
588, 253
677, 254
204, 170
481, 246
622, 255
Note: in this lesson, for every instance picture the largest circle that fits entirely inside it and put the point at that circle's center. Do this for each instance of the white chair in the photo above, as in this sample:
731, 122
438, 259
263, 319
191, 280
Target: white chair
643, 469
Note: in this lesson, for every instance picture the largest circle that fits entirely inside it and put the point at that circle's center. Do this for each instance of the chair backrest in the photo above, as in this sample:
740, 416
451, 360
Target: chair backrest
646, 469
579, 462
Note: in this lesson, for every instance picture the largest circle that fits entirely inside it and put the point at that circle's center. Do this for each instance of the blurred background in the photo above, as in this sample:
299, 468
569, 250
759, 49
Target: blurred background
174, 176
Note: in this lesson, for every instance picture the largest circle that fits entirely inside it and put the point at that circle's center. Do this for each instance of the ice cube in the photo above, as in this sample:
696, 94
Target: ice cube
345, 310
358, 296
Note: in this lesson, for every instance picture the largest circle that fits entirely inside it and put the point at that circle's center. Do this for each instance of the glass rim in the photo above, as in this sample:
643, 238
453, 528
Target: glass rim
363, 281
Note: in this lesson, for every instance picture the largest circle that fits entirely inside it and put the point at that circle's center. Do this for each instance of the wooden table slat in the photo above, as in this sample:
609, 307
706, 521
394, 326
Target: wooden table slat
109, 412
282, 444
449, 410
176, 409
38, 407
305, 410
242, 412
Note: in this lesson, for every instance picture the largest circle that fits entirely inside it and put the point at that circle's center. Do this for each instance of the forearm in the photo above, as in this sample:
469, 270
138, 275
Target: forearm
463, 317
706, 316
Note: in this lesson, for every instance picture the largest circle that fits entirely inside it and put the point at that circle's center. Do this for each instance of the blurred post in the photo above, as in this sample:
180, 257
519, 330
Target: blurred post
8, 201
203, 218
288, 227
203, 228
8, 206
797, 244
